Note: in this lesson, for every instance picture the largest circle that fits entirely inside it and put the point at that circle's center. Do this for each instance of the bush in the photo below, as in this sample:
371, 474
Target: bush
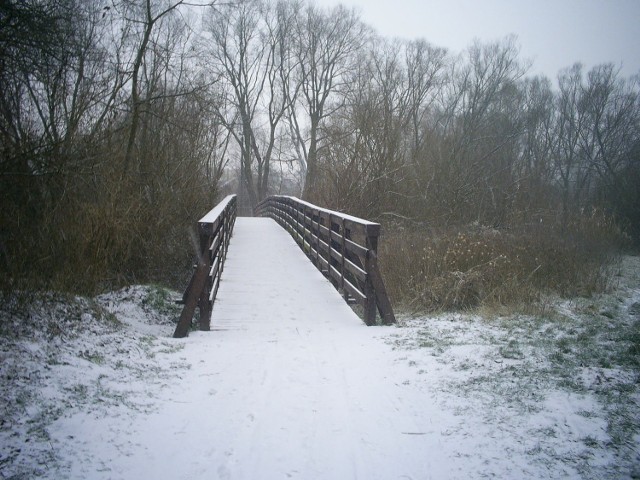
473, 266
106, 234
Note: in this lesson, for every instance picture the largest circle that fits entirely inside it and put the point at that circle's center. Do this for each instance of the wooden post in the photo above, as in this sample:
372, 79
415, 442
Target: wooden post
226, 236
343, 256
199, 279
299, 233
318, 264
203, 302
370, 302
382, 299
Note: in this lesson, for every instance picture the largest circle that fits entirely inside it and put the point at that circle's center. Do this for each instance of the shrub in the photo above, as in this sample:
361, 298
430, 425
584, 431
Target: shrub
106, 233
473, 266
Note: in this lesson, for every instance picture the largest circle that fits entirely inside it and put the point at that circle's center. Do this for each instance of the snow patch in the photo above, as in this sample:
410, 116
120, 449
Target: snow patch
96, 388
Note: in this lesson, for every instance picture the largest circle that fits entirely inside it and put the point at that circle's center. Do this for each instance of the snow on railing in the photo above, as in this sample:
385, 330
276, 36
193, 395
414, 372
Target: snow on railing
214, 230
342, 247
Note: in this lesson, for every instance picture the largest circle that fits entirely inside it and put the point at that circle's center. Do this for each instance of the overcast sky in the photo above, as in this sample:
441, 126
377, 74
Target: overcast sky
554, 34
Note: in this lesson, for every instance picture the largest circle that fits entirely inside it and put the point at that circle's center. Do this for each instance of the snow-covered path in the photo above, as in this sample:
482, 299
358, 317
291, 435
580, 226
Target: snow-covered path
306, 395
289, 384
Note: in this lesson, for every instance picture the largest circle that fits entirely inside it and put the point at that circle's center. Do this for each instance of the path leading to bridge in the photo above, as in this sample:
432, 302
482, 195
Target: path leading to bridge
290, 382
295, 385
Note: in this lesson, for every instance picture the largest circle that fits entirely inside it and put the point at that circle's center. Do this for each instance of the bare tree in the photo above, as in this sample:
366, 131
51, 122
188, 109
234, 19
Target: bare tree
57, 87
371, 139
425, 66
571, 120
238, 55
535, 170
146, 17
327, 40
611, 129
465, 169
596, 133
250, 55
372, 122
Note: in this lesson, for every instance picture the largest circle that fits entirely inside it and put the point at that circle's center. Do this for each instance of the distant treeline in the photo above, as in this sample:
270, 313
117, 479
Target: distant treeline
119, 119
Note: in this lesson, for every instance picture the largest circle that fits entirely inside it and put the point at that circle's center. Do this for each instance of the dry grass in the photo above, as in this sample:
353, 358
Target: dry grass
472, 266
110, 233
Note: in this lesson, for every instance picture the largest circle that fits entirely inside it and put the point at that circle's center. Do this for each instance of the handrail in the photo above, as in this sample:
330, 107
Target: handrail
342, 247
214, 231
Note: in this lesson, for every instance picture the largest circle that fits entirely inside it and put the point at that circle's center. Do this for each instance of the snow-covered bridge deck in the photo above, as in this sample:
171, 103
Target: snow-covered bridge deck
291, 382
268, 281
342, 247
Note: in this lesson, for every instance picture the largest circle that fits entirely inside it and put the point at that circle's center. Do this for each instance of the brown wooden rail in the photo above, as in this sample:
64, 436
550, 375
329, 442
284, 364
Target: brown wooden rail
342, 247
214, 231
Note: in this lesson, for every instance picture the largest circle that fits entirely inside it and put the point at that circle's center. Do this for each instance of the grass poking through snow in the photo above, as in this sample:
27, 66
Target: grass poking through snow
64, 356
565, 384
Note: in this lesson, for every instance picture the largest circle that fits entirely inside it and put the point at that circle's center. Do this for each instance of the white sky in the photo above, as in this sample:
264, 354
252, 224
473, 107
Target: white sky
554, 34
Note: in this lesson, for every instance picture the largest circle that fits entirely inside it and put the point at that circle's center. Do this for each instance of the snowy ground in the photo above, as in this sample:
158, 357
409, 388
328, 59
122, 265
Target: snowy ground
97, 389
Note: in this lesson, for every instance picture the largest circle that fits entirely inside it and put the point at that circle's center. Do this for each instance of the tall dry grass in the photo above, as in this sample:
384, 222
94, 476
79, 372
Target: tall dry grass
106, 231
458, 268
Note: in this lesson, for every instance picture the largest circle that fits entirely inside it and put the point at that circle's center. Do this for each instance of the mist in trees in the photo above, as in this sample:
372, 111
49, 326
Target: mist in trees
120, 119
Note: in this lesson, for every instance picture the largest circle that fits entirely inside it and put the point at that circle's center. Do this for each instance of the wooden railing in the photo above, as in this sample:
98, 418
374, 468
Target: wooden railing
342, 247
214, 231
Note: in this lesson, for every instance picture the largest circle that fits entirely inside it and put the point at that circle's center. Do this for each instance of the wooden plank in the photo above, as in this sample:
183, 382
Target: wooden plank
215, 245
214, 290
354, 292
214, 214
348, 264
382, 299
214, 270
184, 323
343, 243
350, 245
360, 223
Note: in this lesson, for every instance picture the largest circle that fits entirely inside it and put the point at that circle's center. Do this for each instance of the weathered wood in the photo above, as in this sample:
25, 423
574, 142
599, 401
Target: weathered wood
370, 302
382, 299
342, 247
215, 230
193, 296
203, 303
343, 258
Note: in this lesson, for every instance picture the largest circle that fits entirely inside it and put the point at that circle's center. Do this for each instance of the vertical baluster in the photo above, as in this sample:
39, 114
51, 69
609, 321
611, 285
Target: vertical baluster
343, 255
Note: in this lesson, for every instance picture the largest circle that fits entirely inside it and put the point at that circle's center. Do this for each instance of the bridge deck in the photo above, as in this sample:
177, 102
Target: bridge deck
268, 281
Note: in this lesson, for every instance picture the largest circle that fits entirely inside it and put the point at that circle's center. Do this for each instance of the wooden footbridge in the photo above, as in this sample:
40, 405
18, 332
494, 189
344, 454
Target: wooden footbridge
264, 263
